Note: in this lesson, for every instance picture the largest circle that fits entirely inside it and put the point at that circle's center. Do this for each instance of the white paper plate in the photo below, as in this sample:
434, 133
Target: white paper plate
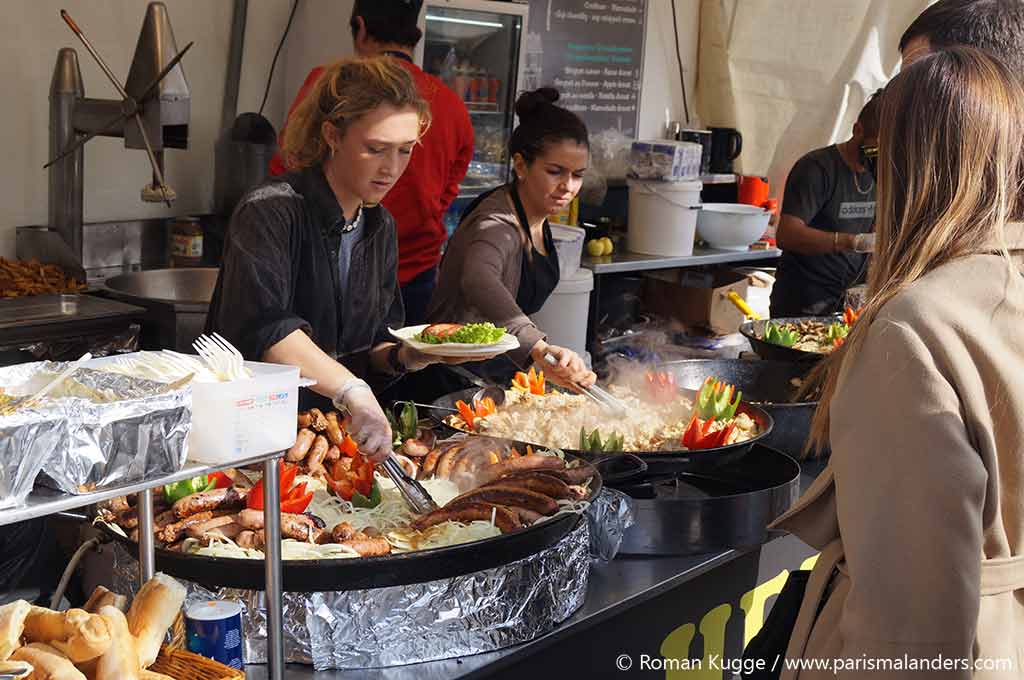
454, 349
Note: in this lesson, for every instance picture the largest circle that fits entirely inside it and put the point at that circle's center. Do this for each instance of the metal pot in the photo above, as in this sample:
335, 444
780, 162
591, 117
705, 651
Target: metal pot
754, 332
176, 302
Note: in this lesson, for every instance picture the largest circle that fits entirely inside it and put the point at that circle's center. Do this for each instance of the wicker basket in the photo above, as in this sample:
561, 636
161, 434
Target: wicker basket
183, 665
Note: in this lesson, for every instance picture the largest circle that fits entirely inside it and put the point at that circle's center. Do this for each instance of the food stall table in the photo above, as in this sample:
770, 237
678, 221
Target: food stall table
43, 501
634, 606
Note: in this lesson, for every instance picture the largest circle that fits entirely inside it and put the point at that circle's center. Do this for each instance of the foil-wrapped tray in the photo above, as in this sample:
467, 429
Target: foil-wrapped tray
130, 430
380, 627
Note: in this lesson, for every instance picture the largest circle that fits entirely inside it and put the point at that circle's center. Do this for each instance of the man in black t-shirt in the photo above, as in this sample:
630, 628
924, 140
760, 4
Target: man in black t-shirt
828, 213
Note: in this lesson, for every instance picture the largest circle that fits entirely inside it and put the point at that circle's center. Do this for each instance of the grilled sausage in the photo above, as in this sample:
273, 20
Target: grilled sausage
303, 440
520, 464
304, 420
128, 519
429, 466
319, 420
504, 519
299, 527
342, 532
447, 460
334, 433
571, 476
197, 530
415, 448
249, 539
174, 532
507, 495
527, 517
536, 481
214, 499
317, 454
368, 546
333, 454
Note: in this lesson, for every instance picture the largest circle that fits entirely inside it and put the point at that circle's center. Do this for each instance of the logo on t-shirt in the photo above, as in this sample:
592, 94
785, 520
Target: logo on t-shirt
857, 211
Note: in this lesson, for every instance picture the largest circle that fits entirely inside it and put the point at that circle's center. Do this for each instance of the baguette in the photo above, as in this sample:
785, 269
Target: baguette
12, 625
47, 663
102, 597
121, 660
152, 613
76, 633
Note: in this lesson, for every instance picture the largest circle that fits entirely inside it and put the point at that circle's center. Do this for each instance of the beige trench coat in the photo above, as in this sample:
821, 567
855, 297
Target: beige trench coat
920, 512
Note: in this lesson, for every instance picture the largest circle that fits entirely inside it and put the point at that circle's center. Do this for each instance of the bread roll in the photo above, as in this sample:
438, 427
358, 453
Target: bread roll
152, 613
76, 633
47, 663
153, 675
12, 624
121, 660
18, 669
102, 597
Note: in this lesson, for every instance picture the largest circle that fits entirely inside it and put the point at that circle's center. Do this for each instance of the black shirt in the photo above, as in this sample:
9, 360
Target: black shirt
283, 270
826, 194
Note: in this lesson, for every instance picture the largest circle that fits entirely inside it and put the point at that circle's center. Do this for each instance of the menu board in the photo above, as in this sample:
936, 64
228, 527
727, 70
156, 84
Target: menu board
592, 51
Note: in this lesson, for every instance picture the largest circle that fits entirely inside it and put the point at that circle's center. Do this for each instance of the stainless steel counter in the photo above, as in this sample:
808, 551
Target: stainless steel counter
634, 262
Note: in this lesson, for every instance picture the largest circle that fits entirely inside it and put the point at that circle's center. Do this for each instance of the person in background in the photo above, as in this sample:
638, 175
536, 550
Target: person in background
310, 271
501, 264
827, 215
996, 26
919, 513
420, 198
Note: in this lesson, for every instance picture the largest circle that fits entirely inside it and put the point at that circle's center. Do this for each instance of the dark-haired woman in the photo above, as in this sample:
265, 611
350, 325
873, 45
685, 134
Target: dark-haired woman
501, 265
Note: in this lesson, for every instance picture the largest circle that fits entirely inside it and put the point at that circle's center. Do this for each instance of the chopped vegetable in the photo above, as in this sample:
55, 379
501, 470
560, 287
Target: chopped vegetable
470, 334
286, 480
662, 386
346, 482
297, 499
220, 480
698, 435
480, 409
186, 487
838, 331
779, 335
532, 382
850, 315
716, 401
371, 501
592, 442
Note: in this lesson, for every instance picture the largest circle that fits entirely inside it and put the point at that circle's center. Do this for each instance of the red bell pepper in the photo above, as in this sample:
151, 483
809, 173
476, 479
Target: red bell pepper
286, 475
698, 435
297, 500
850, 315
349, 446
220, 480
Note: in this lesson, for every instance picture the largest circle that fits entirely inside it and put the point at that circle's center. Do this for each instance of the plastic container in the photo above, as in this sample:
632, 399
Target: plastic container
731, 226
569, 244
663, 217
565, 315
237, 420
665, 160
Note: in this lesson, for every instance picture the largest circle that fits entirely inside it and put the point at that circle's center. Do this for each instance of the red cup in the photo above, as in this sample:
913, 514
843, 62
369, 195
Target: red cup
752, 190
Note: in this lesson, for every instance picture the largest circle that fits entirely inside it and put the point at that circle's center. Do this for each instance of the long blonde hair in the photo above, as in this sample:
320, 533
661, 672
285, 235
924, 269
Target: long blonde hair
948, 181
346, 91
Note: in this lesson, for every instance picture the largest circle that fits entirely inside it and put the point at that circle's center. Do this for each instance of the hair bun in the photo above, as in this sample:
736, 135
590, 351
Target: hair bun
530, 102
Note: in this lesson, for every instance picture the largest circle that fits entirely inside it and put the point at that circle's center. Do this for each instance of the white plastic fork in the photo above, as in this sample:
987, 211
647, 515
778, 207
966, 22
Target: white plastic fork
238, 361
223, 359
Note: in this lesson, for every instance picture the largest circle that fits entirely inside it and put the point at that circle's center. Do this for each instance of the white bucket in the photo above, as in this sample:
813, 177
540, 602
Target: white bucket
663, 217
565, 315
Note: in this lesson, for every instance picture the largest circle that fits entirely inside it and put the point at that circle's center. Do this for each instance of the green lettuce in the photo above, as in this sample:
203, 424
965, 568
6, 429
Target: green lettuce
470, 334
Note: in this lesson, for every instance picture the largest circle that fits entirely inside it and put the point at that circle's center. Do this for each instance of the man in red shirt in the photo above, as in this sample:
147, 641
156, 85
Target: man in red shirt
421, 196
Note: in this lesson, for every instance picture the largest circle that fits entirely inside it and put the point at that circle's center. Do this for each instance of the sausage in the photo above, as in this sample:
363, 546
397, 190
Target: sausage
304, 420
118, 505
315, 459
319, 420
571, 476
429, 466
174, 532
504, 519
303, 440
251, 519
163, 519
333, 454
368, 546
249, 539
415, 448
197, 530
128, 519
527, 517
507, 495
520, 464
214, 499
299, 527
334, 433
536, 481
342, 532
447, 460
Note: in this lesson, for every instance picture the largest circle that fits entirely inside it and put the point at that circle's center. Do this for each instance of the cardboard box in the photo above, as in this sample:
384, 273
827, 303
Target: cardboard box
697, 297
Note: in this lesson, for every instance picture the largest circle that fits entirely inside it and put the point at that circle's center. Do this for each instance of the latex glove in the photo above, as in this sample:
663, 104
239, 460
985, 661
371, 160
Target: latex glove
864, 243
568, 367
367, 423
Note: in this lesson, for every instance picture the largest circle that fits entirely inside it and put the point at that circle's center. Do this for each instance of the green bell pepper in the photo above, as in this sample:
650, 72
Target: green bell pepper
361, 501
717, 400
186, 487
779, 335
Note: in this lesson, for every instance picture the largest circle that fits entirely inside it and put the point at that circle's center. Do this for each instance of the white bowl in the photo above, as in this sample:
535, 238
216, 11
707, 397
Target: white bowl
731, 226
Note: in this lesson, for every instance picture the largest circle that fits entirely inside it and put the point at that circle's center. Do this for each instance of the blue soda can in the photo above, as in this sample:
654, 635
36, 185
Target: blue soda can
214, 630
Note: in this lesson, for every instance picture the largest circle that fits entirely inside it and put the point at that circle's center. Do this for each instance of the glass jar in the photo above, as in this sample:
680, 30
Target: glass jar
186, 242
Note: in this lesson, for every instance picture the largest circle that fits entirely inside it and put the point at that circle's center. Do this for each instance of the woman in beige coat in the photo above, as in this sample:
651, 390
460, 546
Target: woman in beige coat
920, 513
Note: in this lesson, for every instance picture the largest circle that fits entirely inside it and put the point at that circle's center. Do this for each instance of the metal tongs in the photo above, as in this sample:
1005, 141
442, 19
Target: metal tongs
601, 397
412, 491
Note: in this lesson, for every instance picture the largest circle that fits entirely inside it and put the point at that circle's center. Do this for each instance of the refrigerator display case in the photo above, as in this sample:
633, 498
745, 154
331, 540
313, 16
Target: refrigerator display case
476, 48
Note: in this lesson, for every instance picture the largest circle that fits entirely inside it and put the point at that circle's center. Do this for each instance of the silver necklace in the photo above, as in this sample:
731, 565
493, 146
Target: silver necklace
856, 183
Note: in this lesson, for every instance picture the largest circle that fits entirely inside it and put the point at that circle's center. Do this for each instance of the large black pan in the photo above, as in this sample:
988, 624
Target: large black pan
675, 460
754, 332
327, 575
771, 385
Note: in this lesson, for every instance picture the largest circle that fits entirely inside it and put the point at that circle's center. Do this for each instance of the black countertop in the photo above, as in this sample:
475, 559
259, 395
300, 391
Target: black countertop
613, 588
